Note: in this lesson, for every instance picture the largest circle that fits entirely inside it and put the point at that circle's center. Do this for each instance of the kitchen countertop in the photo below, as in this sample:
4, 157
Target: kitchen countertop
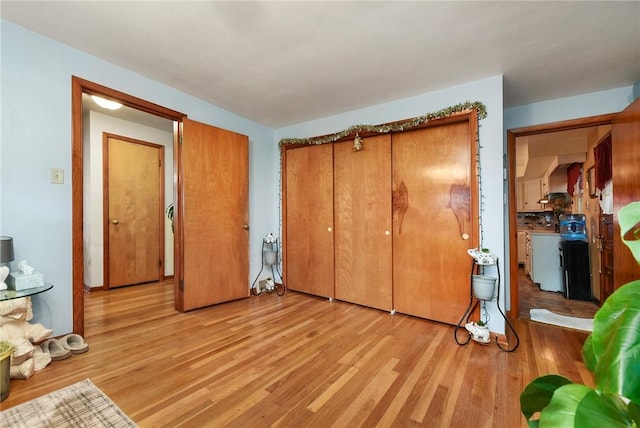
539, 230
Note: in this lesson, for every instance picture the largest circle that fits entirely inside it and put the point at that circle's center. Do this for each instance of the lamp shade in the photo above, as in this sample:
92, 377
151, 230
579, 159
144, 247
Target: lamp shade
6, 249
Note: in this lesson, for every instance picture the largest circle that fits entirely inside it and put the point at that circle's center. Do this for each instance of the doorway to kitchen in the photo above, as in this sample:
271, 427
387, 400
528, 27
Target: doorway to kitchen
544, 154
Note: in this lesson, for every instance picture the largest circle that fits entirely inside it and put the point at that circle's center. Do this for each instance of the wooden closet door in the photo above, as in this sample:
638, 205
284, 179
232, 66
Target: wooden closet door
433, 181
308, 219
362, 210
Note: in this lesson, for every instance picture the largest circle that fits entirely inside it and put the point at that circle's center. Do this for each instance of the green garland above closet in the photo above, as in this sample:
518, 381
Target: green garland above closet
403, 125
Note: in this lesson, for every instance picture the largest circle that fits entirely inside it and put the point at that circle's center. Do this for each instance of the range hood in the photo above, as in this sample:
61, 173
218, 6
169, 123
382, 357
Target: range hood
552, 197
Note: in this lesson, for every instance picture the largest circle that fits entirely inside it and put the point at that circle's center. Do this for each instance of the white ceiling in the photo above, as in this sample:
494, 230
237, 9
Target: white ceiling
281, 63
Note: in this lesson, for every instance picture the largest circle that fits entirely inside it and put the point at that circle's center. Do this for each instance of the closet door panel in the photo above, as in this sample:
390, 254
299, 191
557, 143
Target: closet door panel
309, 219
362, 211
433, 180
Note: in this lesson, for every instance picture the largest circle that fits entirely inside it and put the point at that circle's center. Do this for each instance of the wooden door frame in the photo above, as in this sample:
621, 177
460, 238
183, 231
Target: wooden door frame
78, 87
512, 134
106, 238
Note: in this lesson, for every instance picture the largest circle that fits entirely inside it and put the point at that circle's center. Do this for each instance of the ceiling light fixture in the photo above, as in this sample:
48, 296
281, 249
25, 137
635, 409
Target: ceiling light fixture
108, 104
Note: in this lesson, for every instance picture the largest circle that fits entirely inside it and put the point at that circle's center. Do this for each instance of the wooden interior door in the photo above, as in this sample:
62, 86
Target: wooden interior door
308, 216
362, 206
434, 209
625, 143
212, 221
133, 201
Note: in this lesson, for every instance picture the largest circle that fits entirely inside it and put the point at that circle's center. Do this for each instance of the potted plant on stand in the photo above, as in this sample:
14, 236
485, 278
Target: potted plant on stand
483, 289
483, 286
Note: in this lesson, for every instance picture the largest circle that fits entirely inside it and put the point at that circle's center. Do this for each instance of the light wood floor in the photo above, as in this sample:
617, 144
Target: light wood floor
298, 361
531, 296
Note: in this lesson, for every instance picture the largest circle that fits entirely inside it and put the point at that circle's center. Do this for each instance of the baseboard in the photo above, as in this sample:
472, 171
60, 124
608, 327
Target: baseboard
88, 289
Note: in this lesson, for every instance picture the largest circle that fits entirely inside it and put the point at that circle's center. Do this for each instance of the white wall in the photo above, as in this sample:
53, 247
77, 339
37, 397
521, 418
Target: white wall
93, 186
489, 92
36, 135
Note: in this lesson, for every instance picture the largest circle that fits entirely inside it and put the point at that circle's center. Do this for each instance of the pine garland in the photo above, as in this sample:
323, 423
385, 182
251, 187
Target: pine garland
404, 125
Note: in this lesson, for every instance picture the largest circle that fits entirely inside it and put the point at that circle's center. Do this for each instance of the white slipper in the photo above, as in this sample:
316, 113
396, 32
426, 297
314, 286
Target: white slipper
54, 348
22, 371
74, 343
40, 358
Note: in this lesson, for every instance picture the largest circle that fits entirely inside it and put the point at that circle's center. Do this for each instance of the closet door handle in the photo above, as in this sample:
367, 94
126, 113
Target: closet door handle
115, 221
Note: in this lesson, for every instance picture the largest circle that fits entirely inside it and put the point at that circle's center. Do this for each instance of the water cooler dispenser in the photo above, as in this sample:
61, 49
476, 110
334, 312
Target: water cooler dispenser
574, 257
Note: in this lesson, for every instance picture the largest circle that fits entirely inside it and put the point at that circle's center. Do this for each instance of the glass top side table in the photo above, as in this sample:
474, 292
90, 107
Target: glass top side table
27, 292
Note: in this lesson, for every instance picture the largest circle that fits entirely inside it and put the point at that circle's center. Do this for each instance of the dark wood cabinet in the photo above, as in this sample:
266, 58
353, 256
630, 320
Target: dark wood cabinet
605, 246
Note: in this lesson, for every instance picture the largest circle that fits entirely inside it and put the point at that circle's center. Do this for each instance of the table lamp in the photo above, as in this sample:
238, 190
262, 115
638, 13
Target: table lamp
6, 256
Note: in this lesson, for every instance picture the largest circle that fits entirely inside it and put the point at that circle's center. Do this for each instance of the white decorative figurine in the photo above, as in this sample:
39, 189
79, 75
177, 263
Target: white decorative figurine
478, 332
482, 256
270, 239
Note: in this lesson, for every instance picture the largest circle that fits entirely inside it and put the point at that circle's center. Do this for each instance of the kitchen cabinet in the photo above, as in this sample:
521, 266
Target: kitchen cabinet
528, 258
522, 247
544, 184
520, 196
545, 260
532, 192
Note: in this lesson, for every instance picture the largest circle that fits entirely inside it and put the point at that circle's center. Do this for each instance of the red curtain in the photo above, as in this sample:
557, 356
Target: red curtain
602, 156
573, 174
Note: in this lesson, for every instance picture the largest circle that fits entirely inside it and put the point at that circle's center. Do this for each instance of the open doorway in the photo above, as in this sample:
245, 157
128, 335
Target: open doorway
80, 166
590, 127
111, 228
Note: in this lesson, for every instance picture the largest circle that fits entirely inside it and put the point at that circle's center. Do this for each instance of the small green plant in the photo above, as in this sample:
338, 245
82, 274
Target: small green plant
611, 353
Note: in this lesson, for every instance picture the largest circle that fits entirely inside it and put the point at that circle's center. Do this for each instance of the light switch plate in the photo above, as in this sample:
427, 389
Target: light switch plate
57, 175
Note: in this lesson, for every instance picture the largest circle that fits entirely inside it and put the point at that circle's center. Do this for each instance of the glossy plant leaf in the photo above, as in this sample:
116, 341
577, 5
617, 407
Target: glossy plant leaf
598, 411
629, 219
612, 351
589, 354
561, 411
537, 395
633, 409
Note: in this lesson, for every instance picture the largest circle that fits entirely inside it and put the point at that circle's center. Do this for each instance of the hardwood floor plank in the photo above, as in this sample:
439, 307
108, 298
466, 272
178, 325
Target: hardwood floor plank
331, 391
298, 361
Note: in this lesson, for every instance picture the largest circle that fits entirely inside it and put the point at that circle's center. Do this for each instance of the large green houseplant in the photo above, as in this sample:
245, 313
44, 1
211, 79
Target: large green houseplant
611, 353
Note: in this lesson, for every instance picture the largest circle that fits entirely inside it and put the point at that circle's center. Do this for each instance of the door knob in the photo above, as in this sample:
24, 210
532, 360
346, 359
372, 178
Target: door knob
115, 221
245, 226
